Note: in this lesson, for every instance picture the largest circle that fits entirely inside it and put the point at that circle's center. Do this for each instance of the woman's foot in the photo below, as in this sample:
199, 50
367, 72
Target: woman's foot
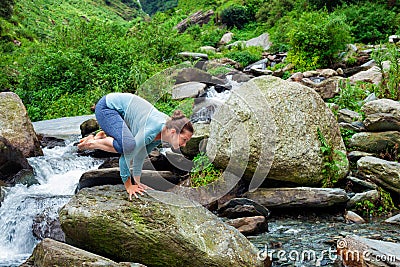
84, 142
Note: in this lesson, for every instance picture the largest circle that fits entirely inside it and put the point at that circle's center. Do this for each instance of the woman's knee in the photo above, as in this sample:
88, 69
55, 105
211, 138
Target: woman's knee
126, 146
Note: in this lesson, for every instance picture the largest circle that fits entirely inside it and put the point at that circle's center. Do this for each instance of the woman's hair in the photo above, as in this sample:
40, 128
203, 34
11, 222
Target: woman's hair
179, 122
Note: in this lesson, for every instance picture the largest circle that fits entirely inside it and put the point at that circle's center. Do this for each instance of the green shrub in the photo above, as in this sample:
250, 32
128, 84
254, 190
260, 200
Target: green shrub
235, 16
272, 11
316, 39
364, 24
203, 171
245, 56
6, 8
351, 96
390, 84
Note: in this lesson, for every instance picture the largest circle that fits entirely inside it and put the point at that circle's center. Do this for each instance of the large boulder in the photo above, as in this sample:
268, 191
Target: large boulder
158, 229
269, 126
50, 253
16, 126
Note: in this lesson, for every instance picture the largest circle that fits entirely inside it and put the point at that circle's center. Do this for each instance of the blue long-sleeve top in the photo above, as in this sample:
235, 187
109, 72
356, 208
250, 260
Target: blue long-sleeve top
144, 122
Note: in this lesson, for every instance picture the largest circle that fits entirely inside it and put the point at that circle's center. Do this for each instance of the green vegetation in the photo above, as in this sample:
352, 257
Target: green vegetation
382, 207
390, 85
203, 171
332, 161
60, 57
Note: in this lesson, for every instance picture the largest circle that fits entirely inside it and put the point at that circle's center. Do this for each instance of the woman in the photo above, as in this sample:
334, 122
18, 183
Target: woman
133, 127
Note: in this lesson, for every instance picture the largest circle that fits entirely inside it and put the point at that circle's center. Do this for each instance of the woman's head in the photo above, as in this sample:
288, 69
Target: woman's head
180, 129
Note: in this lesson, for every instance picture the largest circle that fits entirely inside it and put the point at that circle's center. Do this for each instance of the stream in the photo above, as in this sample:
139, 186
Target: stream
291, 241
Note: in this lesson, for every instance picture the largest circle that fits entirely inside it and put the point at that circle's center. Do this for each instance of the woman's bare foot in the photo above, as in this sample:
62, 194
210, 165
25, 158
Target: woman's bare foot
85, 141
100, 135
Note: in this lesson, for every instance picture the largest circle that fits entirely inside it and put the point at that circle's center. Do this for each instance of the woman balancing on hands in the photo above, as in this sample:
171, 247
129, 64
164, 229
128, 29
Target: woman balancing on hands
132, 127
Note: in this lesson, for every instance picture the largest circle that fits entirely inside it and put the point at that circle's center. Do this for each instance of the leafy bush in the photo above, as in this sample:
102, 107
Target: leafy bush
89, 56
390, 84
272, 11
235, 16
370, 22
6, 8
203, 171
245, 56
351, 96
316, 39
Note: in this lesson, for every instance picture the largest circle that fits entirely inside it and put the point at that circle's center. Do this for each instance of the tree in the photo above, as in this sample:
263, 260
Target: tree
6, 8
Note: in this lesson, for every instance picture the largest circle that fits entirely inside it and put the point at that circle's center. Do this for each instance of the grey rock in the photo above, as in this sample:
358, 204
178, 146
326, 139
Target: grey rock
187, 90
16, 126
352, 217
50, 253
250, 225
382, 115
158, 229
374, 142
394, 219
193, 55
371, 195
362, 183
382, 172
349, 116
304, 197
242, 207
268, 126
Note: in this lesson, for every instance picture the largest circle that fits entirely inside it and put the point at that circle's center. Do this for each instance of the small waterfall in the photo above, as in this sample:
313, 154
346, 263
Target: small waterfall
58, 173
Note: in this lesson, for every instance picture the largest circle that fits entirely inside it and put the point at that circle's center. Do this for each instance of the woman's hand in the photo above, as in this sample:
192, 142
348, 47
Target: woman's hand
133, 189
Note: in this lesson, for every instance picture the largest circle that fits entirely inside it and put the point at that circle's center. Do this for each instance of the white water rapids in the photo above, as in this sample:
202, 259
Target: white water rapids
58, 173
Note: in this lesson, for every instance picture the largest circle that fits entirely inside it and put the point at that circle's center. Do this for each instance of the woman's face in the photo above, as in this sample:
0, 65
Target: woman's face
180, 140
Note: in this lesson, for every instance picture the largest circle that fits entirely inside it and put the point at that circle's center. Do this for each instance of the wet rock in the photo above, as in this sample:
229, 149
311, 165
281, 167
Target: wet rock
196, 75
50, 253
47, 226
51, 142
393, 220
374, 142
14, 167
269, 122
16, 126
359, 251
371, 195
298, 197
384, 173
250, 225
166, 229
352, 217
89, 127
242, 207
382, 115
154, 179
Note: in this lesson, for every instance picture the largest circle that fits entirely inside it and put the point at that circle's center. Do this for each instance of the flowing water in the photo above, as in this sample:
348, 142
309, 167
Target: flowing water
58, 173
